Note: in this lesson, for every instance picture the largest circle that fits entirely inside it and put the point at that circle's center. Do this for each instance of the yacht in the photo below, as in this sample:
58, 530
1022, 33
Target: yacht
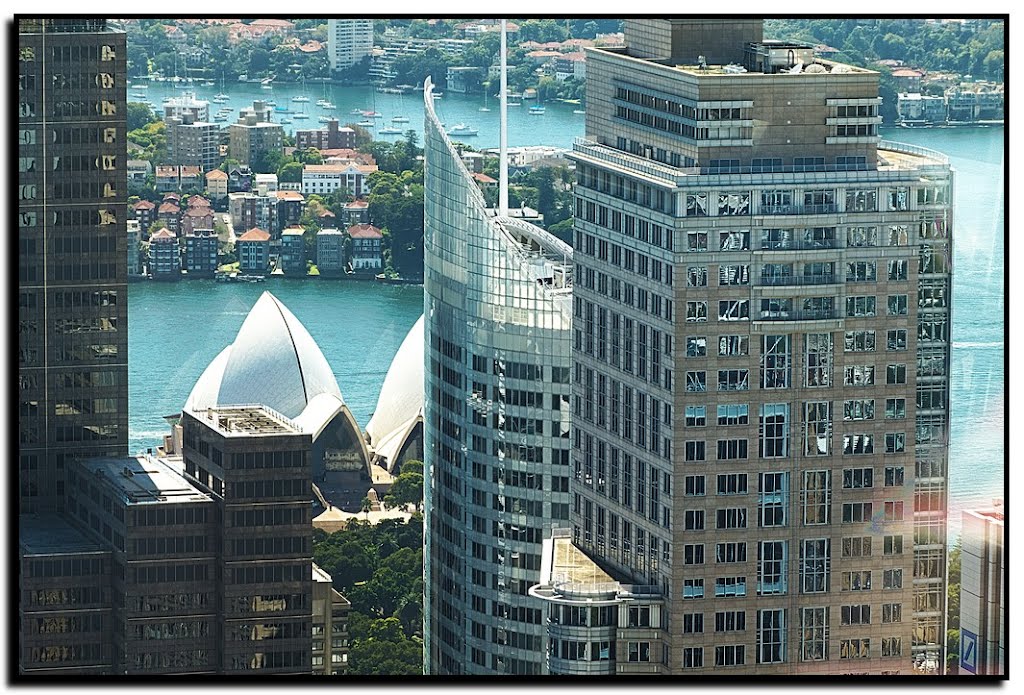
300, 98
139, 95
390, 130
579, 111
324, 104
372, 114
300, 116
367, 123
286, 120
324, 119
536, 110
220, 98
483, 108
463, 129
400, 119
356, 112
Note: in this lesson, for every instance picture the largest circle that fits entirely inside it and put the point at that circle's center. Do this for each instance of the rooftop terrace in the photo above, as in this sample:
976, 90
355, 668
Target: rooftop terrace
247, 421
48, 534
144, 479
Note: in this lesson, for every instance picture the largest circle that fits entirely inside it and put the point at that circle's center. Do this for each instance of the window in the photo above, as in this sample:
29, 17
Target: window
857, 546
693, 623
893, 510
859, 375
773, 499
733, 310
697, 276
854, 478
860, 271
814, 634
854, 648
734, 241
693, 485
732, 414
771, 568
896, 339
732, 449
857, 581
856, 512
775, 362
732, 483
896, 374
696, 204
693, 554
771, 636
694, 450
693, 519
856, 615
896, 305
733, 380
892, 646
895, 442
818, 359
693, 657
898, 270
860, 306
892, 545
859, 410
639, 651
892, 613
733, 345
859, 341
696, 312
861, 200
818, 432
731, 518
731, 552
892, 579
895, 408
693, 588
893, 476
729, 655
816, 498
730, 586
696, 415
696, 382
774, 439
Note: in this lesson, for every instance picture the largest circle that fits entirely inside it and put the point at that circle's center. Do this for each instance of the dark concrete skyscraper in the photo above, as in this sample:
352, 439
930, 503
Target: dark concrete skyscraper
72, 310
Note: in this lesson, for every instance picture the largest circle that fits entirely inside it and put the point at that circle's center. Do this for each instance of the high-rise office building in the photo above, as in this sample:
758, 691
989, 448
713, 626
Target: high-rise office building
983, 593
72, 309
496, 437
348, 41
761, 361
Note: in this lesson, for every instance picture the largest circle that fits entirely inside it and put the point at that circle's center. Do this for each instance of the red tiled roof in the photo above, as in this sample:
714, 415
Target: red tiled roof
326, 213
365, 231
283, 23
290, 195
216, 174
163, 234
484, 178
198, 211
255, 234
191, 171
357, 204
144, 205
175, 196
168, 207
198, 201
907, 72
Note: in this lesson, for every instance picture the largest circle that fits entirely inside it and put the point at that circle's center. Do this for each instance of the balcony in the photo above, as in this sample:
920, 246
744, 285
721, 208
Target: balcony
796, 280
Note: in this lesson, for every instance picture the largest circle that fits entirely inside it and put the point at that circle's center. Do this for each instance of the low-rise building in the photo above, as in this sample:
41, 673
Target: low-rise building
474, 161
324, 179
190, 179
138, 170
254, 251
983, 593
201, 252
330, 626
293, 251
196, 217
367, 243
922, 109
166, 178
330, 251
356, 212
169, 213
164, 255
265, 184
290, 205
464, 79
333, 136
239, 179
217, 184
145, 212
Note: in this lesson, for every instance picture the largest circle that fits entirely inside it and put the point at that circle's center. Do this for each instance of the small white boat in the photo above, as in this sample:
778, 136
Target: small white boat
220, 98
390, 130
300, 116
579, 111
463, 129
356, 112
483, 108
325, 119
286, 120
300, 99
400, 119
367, 123
328, 105
537, 110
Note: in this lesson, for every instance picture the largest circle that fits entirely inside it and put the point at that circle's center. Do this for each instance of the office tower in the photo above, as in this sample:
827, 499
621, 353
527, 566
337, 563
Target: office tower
761, 357
983, 594
72, 313
496, 414
348, 41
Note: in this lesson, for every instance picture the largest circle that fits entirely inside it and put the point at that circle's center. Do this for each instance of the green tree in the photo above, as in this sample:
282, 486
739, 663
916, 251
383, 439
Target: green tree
139, 115
412, 466
953, 608
406, 489
290, 172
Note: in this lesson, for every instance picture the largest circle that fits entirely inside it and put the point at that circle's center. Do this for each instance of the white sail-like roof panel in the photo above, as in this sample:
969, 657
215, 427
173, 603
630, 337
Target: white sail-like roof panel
273, 361
401, 396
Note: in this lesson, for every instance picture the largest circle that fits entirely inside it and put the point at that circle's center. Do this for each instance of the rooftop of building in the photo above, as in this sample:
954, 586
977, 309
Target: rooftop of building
144, 479
289, 195
319, 575
365, 231
247, 421
162, 234
330, 231
255, 234
216, 174
49, 534
353, 204
293, 232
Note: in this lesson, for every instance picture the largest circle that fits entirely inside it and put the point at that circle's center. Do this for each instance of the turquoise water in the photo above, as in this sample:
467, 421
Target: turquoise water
557, 126
176, 329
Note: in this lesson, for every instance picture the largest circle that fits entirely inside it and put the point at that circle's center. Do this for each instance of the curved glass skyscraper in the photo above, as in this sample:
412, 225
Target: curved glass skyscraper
497, 295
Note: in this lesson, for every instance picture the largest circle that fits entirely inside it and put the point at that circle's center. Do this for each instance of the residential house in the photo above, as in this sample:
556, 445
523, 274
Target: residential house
201, 252
907, 79
170, 214
138, 170
265, 184
167, 179
330, 251
254, 251
190, 178
356, 212
367, 242
464, 79
290, 205
164, 256
217, 184
324, 179
239, 179
196, 217
474, 161
145, 212
293, 251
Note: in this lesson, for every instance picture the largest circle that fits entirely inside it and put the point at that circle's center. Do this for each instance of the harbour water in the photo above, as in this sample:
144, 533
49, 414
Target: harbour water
176, 329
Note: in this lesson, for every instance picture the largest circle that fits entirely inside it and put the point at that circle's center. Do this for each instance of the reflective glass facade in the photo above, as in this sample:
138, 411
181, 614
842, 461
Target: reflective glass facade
496, 421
